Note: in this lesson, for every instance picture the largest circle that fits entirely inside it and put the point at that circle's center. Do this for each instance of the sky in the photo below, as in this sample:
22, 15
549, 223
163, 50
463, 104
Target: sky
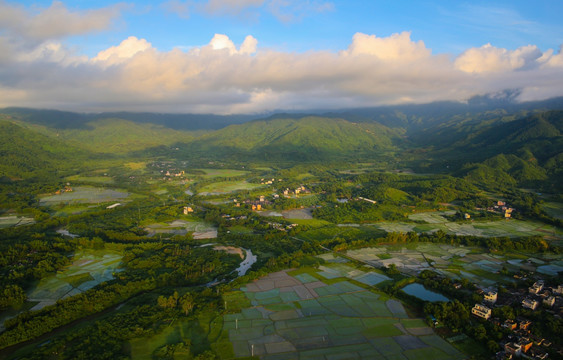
256, 56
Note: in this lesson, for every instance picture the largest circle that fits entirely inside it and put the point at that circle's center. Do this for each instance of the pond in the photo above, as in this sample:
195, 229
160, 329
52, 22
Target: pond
419, 291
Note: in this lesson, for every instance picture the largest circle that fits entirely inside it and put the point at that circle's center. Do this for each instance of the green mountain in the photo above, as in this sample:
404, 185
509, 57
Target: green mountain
305, 138
25, 153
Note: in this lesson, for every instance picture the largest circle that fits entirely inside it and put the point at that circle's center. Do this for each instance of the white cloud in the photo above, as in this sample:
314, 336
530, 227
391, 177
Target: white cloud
492, 59
55, 21
224, 77
127, 49
397, 47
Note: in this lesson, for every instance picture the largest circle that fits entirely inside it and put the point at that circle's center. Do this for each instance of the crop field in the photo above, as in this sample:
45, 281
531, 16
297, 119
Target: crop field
303, 315
305, 214
223, 187
435, 221
554, 209
14, 220
88, 269
456, 261
91, 179
213, 173
199, 229
85, 195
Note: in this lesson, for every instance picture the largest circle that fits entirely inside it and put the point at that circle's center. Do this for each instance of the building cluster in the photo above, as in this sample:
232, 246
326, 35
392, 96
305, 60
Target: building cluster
287, 192
521, 343
233, 218
256, 204
281, 227
503, 208
67, 188
539, 294
268, 181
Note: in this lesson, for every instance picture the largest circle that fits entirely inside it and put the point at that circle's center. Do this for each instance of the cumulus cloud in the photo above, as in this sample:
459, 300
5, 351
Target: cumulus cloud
492, 59
127, 49
397, 47
227, 77
55, 21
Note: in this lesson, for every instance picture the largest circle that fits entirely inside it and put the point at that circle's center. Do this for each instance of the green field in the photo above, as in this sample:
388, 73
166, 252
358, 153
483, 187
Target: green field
199, 229
303, 315
85, 195
511, 228
456, 262
91, 179
224, 187
553, 209
88, 269
14, 220
213, 173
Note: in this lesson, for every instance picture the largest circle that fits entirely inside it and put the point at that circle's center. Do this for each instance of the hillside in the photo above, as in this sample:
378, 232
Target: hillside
24, 153
305, 138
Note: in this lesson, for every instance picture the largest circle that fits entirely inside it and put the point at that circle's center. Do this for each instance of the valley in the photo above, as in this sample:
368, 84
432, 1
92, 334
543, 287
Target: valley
287, 237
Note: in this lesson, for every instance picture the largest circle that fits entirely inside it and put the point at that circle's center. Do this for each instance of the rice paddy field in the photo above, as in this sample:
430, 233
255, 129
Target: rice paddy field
224, 187
199, 229
434, 221
554, 209
15, 220
88, 269
91, 179
85, 195
213, 173
457, 262
325, 314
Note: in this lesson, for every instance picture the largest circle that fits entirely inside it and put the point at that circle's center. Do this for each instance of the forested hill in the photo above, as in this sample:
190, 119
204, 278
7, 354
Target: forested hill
25, 153
72, 120
305, 138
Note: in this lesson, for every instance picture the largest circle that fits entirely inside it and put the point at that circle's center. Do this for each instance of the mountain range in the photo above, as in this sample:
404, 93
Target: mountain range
481, 139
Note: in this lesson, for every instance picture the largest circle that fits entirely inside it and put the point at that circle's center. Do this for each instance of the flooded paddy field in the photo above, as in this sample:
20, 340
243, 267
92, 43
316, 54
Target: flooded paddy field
302, 314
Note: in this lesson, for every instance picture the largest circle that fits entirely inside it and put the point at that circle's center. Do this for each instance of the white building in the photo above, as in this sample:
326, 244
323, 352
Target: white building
530, 304
491, 297
482, 311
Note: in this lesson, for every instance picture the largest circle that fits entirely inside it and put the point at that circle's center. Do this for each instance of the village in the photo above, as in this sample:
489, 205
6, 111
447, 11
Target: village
519, 341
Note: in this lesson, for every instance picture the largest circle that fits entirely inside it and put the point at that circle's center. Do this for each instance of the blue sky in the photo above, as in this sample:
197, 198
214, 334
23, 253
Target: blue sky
299, 54
444, 26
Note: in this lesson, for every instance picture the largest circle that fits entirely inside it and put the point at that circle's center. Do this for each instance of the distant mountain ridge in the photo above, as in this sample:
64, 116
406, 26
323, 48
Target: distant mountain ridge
308, 137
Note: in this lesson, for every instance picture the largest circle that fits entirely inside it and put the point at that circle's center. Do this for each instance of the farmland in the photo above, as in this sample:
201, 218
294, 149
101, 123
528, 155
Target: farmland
304, 315
85, 195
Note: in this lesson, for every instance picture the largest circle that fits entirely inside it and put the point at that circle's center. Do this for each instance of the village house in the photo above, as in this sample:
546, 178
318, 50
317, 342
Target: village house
509, 324
549, 301
481, 311
529, 303
513, 349
536, 288
491, 297
188, 210
525, 324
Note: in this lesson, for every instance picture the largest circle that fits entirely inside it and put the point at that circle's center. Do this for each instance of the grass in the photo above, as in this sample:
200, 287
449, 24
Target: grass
554, 209
88, 269
8, 221
85, 194
212, 173
228, 186
91, 179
